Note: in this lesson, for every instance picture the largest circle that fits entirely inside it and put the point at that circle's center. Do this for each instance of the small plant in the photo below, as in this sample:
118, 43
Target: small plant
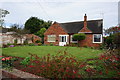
31, 44
39, 44
51, 44
15, 41
26, 42
7, 62
37, 41
25, 61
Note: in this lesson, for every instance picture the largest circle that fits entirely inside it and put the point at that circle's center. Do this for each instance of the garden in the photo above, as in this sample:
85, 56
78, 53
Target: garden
50, 61
66, 62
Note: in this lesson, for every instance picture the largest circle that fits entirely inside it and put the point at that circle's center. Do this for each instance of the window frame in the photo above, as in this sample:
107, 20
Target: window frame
51, 36
100, 38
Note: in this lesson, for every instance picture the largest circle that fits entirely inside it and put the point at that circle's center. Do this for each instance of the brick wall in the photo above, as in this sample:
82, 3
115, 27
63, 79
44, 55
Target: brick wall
54, 29
89, 41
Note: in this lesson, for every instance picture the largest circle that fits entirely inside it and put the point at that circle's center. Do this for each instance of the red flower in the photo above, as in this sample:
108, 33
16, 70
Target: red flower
88, 70
79, 76
8, 58
81, 66
31, 66
102, 56
100, 73
42, 66
106, 58
74, 72
3, 59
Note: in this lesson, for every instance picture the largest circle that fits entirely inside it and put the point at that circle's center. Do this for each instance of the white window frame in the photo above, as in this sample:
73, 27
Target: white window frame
51, 36
66, 37
71, 40
100, 38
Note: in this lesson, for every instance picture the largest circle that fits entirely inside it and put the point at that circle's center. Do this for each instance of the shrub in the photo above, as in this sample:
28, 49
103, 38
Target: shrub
31, 44
37, 41
26, 42
7, 62
79, 36
26, 61
51, 44
54, 66
72, 45
39, 44
15, 41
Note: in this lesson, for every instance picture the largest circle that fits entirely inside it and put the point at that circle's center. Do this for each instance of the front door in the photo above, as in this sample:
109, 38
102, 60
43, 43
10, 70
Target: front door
62, 40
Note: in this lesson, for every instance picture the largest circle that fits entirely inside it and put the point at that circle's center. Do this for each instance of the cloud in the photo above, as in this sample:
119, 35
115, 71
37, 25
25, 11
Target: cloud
60, 11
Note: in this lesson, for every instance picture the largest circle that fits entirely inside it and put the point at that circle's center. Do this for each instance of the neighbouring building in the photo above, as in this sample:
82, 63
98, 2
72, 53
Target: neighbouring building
9, 37
61, 33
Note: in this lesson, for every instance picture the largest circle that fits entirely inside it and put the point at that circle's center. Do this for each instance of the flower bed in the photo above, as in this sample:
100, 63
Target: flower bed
64, 65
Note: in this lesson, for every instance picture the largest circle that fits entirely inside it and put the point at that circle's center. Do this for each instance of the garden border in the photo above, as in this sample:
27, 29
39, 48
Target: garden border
20, 75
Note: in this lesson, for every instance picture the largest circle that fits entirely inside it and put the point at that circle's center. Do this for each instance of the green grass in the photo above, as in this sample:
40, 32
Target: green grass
79, 52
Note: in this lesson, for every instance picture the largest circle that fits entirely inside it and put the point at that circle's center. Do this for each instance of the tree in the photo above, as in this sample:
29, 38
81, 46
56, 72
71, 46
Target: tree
112, 30
3, 13
41, 33
34, 24
79, 37
19, 32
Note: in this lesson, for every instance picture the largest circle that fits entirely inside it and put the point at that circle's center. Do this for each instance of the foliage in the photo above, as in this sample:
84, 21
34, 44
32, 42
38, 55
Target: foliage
26, 61
37, 41
15, 41
51, 44
72, 45
116, 39
54, 66
79, 36
113, 40
31, 44
7, 62
25, 42
41, 33
34, 24
39, 44
112, 30
3, 13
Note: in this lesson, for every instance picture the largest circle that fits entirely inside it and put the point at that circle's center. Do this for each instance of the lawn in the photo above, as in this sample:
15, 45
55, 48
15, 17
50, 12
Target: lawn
79, 52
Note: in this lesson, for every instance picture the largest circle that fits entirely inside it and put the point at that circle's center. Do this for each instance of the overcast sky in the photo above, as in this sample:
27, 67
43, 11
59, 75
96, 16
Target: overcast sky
61, 10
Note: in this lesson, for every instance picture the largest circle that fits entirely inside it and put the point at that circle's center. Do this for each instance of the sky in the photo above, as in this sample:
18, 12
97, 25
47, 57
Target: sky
61, 11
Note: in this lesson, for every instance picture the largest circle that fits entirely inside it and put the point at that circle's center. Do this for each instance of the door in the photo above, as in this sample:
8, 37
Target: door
62, 40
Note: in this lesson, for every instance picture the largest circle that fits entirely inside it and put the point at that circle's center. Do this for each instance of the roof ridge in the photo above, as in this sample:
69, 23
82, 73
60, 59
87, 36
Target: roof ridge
81, 21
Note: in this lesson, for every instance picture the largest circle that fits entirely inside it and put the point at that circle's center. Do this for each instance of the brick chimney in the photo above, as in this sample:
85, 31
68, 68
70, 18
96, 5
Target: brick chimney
85, 21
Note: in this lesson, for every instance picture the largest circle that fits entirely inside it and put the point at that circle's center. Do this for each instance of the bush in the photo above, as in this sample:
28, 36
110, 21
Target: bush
72, 45
15, 41
39, 44
37, 41
51, 44
54, 66
26, 42
7, 62
31, 44
79, 36
26, 61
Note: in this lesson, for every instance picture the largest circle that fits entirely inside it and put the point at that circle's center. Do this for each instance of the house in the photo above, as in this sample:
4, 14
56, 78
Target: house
61, 33
9, 37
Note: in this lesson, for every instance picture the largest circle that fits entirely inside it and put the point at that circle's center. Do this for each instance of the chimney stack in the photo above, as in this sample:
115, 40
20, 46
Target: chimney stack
85, 21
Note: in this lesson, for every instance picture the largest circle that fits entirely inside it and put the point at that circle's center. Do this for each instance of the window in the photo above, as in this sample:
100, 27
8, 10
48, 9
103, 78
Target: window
97, 38
51, 38
62, 38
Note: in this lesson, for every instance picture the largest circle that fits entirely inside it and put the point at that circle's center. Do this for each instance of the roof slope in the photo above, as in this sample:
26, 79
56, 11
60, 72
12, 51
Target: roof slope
74, 27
